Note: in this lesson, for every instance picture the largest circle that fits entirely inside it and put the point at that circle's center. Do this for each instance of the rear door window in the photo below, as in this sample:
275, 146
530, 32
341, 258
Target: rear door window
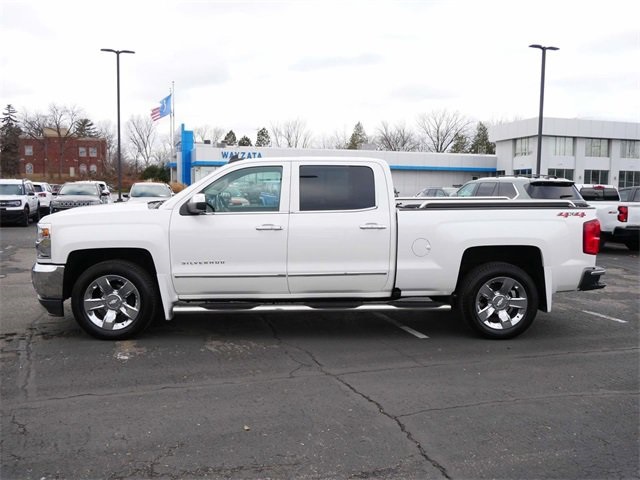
336, 187
486, 189
506, 189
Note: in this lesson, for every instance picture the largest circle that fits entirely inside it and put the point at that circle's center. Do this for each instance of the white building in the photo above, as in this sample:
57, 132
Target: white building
411, 171
586, 151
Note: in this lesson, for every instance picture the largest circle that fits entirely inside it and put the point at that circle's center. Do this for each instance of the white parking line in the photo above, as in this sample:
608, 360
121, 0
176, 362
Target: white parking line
410, 330
604, 316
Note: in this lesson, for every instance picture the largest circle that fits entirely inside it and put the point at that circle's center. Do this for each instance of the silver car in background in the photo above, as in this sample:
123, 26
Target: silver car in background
149, 192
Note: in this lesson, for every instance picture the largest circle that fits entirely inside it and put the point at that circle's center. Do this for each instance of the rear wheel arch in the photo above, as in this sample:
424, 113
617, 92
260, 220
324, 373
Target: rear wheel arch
525, 257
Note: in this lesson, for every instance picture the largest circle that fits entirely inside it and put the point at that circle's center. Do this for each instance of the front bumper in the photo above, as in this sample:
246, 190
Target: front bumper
591, 279
11, 214
48, 282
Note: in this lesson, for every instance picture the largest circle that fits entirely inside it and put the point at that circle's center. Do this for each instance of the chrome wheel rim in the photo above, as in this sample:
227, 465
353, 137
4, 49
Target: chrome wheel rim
501, 303
111, 302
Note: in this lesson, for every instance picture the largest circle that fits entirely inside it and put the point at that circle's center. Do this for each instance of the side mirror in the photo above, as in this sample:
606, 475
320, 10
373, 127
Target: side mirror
104, 193
125, 195
197, 205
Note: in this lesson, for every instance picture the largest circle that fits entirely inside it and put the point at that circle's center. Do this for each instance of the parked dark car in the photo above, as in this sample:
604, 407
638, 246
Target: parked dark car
77, 194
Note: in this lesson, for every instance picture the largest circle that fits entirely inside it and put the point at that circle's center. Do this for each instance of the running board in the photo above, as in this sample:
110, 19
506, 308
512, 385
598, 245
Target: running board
334, 306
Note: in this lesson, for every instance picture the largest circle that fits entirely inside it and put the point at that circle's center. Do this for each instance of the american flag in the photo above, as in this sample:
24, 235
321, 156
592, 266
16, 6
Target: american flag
155, 114
164, 109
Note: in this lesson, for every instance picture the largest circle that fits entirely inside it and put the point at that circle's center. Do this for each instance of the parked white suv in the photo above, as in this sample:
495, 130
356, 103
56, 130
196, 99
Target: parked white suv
44, 192
18, 201
523, 188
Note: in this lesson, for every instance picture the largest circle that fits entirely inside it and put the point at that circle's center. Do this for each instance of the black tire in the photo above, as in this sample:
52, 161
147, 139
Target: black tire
36, 214
634, 246
103, 311
24, 221
498, 300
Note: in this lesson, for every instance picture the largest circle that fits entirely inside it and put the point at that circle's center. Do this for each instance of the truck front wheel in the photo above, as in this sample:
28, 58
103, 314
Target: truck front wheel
499, 300
114, 300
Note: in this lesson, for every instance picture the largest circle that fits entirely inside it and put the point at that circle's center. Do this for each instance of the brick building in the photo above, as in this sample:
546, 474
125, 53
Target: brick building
53, 155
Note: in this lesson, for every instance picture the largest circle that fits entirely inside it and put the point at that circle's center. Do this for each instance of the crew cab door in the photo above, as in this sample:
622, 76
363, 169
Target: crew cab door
239, 246
340, 230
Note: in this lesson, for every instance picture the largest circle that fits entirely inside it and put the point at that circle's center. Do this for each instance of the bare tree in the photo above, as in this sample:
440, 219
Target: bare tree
398, 138
338, 140
207, 132
439, 128
62, 120
33, 125
141, 134
291, 134
163, 151
107, 131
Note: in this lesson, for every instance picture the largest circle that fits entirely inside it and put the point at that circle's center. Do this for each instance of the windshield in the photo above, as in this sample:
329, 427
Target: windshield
78, 189
11, 189
150, 191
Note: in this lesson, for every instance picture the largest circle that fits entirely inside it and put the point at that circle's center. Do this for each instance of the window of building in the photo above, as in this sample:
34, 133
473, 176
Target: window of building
522, 171
336, 188
628, 179
28, 150
596, 176
93, 152
563, 147
522, 147
82, 152
561, 173
596, 147
28, 168
630, 149
83, 169
93, 169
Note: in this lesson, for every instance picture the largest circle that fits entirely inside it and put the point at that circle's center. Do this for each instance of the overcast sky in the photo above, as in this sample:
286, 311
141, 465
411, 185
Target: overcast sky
244, 65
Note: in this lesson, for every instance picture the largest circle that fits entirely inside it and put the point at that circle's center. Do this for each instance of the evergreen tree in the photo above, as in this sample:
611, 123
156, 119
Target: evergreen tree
84, 128
9, 143
358, 137
230, 138
263, 139
460, 143
159, 173
481, 143
245, 142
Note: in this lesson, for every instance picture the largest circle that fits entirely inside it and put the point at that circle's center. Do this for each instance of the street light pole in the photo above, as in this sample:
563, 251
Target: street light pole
544, 59
118, 52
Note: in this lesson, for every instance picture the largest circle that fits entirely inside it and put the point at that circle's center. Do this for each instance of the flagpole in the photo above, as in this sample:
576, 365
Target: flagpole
172, 125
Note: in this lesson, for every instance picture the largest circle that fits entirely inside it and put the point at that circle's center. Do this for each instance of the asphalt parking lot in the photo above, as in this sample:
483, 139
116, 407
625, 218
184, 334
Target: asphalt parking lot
402, 396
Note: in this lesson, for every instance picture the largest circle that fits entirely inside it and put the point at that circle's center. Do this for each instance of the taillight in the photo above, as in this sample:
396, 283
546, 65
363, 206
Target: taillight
623, 213
591, 237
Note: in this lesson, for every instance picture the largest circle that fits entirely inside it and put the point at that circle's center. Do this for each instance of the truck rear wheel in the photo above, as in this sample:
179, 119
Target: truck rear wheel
499, 300
114, 300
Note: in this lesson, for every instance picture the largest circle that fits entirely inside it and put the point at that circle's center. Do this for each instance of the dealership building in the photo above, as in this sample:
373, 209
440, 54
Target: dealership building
586, 151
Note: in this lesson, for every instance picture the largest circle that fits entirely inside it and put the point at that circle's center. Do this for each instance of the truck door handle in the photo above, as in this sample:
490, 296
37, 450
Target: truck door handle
372, 226
269, 226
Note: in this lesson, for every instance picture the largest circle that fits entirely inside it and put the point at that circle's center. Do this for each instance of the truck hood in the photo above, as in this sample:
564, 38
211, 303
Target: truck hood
123, 213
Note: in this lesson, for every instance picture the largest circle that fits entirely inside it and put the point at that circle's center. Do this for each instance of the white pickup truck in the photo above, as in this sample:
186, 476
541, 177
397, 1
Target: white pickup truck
312, 233
619, 220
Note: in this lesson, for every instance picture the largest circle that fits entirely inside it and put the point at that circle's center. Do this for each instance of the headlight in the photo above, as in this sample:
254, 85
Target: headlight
11, 203
43, 240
